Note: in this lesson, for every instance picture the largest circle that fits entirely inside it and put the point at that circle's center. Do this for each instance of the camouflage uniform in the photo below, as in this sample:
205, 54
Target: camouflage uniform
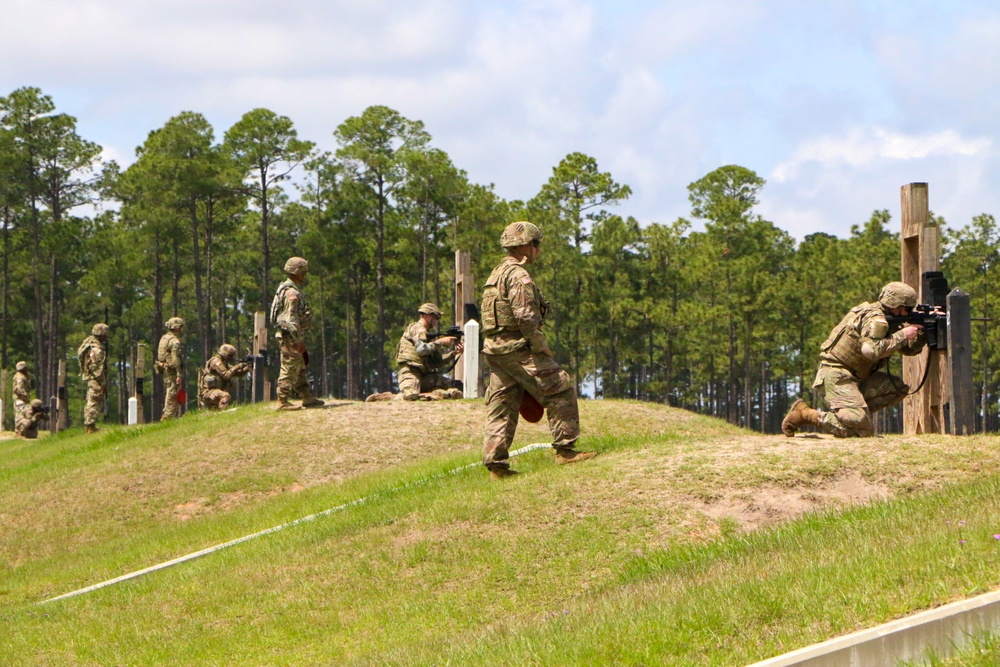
170, 365
513, 311
421, 363
26, 423
850, 376
218, 378
22, 390
291, 315
92, 355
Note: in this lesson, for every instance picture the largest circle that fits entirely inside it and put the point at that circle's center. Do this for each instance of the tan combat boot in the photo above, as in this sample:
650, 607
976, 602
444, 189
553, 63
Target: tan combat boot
283, 404
564, 456
799, 414
91, 428
310, 401
500, 473
384, 396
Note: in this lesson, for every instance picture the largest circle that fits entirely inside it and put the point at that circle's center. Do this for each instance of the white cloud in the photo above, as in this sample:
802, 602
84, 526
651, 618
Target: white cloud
862, 146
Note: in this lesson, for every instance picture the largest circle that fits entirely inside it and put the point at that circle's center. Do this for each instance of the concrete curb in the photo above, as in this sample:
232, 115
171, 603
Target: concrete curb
941, 630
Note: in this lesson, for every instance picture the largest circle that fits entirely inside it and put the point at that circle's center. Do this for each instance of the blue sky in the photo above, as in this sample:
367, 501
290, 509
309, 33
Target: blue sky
836, 104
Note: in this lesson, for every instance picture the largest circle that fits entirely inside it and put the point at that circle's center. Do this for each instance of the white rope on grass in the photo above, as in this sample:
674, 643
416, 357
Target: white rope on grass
275, 529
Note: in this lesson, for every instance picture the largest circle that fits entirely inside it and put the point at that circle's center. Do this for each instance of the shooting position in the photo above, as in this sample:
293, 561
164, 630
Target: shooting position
850, 376
424, 356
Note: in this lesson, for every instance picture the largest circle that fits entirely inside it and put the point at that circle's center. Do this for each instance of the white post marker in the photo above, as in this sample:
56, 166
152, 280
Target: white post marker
133, 411
470, 360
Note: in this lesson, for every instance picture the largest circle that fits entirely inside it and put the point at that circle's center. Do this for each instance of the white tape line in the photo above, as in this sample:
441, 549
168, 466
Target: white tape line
296, 522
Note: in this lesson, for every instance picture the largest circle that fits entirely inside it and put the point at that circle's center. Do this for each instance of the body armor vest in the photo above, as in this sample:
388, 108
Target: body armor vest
843, 346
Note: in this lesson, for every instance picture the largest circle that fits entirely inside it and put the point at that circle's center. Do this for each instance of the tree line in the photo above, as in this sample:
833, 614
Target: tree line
721, 312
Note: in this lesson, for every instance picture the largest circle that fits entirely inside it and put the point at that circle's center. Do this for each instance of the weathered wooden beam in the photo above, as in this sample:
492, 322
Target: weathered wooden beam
962, 406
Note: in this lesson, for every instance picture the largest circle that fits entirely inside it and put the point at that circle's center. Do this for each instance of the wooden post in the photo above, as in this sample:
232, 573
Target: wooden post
5, 400
261, 384
962, 412
465, 293
62, 400
53, 414
139, 383
924, 411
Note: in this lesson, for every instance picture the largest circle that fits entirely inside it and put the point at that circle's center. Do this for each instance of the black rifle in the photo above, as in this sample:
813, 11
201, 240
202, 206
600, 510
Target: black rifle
932, 318
450, 332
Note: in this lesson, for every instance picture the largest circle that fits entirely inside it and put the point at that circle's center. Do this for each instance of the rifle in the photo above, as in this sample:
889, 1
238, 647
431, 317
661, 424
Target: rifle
933, 319
450, 332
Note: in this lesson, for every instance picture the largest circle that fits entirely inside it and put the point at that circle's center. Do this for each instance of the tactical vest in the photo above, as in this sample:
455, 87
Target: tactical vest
302, 310
497, 314
843, 346
83, 356
164, 363
406, 351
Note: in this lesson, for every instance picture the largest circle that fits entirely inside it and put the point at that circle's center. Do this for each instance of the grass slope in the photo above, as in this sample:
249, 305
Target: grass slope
687, 541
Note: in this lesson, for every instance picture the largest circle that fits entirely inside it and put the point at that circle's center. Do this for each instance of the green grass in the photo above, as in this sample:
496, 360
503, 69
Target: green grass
608, 562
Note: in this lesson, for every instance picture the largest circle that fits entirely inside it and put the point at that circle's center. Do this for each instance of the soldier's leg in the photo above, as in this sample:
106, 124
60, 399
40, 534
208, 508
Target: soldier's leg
848, 416
503, 397
554, 389
883, 391
171, 408
223, 400
95, 403
440, 386
409, 381
292, 371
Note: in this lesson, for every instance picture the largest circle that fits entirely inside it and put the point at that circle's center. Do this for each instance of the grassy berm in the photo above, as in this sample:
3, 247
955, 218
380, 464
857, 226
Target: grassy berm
685, 542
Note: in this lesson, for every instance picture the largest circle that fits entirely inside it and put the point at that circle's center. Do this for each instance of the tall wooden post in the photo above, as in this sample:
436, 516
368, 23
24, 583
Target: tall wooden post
924, 411
62, 400
139, 387
962, 410
5, 399
465, 293
261, 383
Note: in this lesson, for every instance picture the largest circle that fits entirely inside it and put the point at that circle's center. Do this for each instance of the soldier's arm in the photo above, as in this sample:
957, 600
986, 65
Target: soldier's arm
876, 342
289, 318
98, 357
527, 310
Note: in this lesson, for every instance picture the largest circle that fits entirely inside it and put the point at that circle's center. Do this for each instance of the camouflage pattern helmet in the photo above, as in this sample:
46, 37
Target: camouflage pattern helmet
897, 294
21, 366
37, 403
100, 329
296, 266
520, 233
227, 351
429, 309
174, 323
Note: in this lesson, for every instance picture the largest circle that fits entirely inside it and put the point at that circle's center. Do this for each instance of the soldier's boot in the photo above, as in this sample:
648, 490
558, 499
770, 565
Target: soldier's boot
500, 473
310, 401
564, 456
284, 404
798, 415
384, 396
91, 428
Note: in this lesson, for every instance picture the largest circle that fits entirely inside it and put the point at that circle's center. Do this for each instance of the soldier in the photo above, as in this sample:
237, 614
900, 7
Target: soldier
170, 365
22, 389
519, 357
26, 423
218, 377
92, 355
423, 358
849, 377
291, 315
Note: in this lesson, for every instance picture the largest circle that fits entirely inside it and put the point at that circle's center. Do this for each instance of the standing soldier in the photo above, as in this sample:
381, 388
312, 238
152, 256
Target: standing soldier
218, 377
519, 357
22, 390
291, 315
168, 363
92, 355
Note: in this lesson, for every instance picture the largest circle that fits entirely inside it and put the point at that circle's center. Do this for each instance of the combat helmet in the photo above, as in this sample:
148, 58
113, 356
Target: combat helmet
37, 403
174, 323
21, 366
227, 351
520, 233
429, 309
296, 266
100, 329
897, 294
